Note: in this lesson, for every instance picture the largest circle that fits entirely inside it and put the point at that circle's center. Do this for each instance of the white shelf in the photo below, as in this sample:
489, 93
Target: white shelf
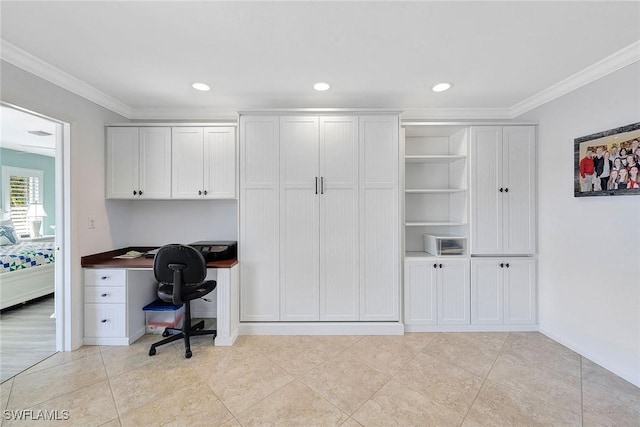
432, 223
434, 190
434, 158
426, 255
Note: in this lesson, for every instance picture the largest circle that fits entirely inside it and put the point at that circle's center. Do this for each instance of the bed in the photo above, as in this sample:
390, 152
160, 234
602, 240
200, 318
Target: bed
26, 271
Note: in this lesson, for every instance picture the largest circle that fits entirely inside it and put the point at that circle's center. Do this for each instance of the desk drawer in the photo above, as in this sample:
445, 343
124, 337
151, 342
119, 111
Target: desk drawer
104, 320
105, 276
105, 294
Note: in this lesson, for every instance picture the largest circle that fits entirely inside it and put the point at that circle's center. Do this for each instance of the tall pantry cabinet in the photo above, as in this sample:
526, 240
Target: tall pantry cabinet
318, 218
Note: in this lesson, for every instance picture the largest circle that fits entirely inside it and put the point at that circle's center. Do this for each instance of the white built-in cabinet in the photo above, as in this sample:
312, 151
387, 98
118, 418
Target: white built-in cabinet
503, 291
164, 162
203, 162
319, 218
477, 184
138, 163
503, 205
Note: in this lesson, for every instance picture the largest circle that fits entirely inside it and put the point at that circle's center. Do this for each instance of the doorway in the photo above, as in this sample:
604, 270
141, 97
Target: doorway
32, 235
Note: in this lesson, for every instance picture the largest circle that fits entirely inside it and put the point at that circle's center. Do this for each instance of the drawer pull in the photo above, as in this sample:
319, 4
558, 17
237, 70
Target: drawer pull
104, 277
103, 321
103, 295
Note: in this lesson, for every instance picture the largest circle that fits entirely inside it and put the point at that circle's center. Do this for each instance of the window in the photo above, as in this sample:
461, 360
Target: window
20, 188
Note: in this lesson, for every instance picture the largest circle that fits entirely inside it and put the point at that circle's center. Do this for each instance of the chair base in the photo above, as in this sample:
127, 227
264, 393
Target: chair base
174, 334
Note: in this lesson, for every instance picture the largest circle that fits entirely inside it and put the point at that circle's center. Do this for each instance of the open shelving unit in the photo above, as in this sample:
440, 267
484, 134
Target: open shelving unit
436, 199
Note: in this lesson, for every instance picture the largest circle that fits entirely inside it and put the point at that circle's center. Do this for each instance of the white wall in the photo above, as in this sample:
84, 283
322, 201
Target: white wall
87, 122
589, 247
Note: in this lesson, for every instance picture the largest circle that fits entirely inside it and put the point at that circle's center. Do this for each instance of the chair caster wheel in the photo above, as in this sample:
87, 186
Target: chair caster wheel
165, 334
187, 354
152, 351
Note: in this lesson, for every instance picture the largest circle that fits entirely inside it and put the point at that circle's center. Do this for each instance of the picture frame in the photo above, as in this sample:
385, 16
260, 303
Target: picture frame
619, 148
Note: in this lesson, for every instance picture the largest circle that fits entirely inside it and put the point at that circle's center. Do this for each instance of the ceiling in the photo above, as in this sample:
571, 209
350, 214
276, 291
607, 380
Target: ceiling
140, 58
14, 132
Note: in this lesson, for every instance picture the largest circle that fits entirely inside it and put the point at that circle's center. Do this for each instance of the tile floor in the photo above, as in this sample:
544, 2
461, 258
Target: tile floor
468, 379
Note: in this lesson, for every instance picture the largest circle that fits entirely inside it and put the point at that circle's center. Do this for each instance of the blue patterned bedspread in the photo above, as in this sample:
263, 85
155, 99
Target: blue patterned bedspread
25, 255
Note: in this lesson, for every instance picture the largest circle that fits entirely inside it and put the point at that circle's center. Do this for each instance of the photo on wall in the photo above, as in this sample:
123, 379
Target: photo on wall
606, 163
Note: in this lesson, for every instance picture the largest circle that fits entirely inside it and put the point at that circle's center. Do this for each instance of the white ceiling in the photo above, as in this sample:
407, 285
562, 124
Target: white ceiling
500, 56
14, 132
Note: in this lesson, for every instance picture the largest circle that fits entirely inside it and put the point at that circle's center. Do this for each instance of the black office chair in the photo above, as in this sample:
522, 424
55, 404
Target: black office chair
180, 271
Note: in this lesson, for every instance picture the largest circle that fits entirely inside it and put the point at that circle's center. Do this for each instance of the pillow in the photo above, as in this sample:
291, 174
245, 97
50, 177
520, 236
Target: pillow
8, 235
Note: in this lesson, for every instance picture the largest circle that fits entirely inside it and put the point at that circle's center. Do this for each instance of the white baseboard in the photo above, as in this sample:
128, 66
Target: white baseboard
592, 357
321, 328
471, 328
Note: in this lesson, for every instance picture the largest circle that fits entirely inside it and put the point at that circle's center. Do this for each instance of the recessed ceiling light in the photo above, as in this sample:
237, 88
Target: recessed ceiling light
200, 86
321, 87
441, 87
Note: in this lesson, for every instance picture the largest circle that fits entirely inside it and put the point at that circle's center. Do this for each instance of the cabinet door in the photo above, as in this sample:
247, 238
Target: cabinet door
259, 236
299, 226
518, 166
104, 320
220, 162
486, 197
487, 292
520, 305
122, 163
420, 292
187, 163
379, 213
339, 244
155, 163
453, 292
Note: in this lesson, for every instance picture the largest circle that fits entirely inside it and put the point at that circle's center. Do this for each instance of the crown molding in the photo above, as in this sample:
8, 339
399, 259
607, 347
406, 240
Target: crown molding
456, 114
206, 114
18, 57
608, 65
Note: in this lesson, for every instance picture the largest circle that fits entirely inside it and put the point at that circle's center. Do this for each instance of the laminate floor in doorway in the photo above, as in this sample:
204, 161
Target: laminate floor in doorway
27, 336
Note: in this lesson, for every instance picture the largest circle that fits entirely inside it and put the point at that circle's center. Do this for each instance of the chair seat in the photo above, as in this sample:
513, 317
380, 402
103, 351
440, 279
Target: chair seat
189, 292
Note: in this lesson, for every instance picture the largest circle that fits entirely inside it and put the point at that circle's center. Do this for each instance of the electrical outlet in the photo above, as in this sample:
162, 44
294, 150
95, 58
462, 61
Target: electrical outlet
92, 222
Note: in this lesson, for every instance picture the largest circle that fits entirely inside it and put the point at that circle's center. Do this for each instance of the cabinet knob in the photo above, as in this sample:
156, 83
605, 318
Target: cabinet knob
507, 264
104, 278
506, 190
140, 192
440, 266
135, 193
103, 295
199, 192
435, 265
501, 189
205, 192
103, 321
502, 265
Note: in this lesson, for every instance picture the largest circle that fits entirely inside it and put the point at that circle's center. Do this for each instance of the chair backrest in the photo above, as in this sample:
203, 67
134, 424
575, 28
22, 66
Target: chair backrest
194, 270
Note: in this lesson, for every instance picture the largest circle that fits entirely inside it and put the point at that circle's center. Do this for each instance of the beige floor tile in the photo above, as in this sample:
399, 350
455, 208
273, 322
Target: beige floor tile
121, 359
62, 357
89, 406
30, 389
470, 352
193, 405
133, 389
499, 405
533, 348
293, 405
610, 406
231, 423
299, 354
112, 423
441, 382
382, 353
351, 423
551, 385
396, 405
345, 382
5, 390
241, 378
593, 373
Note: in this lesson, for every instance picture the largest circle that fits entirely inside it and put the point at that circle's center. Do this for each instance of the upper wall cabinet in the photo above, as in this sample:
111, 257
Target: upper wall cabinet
138, 163
503, 190
203, 163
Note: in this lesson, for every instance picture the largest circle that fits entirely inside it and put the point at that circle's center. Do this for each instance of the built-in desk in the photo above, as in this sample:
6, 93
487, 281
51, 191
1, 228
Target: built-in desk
116, 290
